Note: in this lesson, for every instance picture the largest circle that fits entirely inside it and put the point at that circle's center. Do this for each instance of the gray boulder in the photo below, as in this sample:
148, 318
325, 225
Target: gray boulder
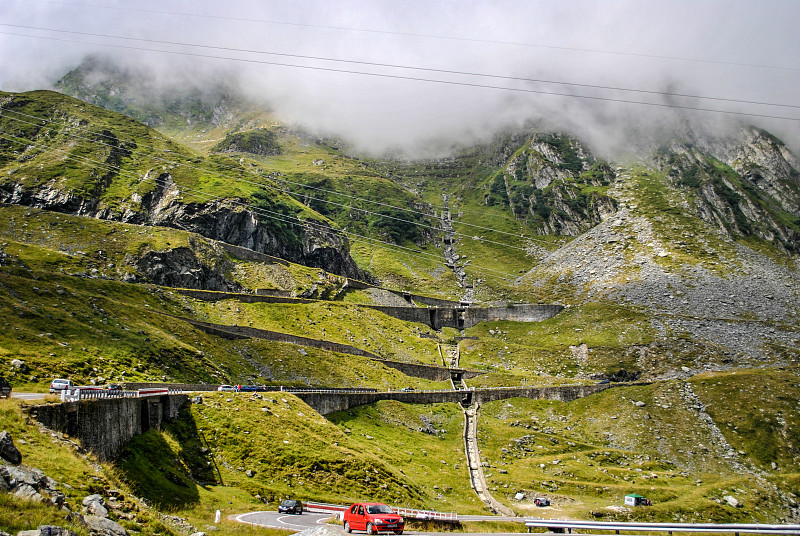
31, 476
95, 505
28, 492
46, 530
8, 451
5, 481
102, 526
31, 484
733, 501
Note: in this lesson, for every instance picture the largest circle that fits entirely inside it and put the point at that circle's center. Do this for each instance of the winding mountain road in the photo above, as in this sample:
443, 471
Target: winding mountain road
299, 523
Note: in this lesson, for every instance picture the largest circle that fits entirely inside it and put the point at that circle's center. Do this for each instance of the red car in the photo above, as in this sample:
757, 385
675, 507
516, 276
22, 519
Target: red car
372, 518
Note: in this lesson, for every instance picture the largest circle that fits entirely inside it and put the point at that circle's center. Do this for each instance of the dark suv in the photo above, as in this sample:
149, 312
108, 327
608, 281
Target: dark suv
290, 506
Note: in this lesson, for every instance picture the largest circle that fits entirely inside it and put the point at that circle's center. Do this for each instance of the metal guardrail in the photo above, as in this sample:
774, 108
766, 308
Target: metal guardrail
413, 513
324, 508
736, 528
94, 393
408, 513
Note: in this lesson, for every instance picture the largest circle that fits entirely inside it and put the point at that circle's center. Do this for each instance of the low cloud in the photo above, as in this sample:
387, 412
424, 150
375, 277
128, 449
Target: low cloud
743, 51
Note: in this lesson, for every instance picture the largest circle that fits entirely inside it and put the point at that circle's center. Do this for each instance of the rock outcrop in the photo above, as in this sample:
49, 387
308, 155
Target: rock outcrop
312, 243
109, 184
8, 451
30, 484
553, 181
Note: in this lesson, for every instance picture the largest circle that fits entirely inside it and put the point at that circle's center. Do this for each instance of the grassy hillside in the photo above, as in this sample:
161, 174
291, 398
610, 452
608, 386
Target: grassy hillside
64, 319
683, 444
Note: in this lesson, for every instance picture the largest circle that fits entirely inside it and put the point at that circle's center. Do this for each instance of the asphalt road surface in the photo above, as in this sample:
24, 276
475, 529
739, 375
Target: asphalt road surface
307, 520
294, 522
28, 396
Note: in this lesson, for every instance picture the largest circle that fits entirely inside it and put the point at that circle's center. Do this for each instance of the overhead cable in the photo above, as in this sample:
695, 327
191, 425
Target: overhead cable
290, 192
430, 36
407, 67
418, 79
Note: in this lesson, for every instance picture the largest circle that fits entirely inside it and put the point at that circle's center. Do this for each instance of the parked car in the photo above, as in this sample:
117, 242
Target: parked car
5, 388
541, 501
290, 506
60, 384
226, 388
372, 518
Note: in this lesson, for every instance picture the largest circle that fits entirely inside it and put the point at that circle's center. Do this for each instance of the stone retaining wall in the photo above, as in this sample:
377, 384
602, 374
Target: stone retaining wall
428, 372
105, 426
467, 317
249, 255
234, 332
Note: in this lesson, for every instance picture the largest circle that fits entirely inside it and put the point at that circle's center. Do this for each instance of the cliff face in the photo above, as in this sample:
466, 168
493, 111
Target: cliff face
556, 184
310, 243
747, 185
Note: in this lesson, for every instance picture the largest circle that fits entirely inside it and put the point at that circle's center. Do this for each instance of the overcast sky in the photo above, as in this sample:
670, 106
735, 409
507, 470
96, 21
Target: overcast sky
743, 51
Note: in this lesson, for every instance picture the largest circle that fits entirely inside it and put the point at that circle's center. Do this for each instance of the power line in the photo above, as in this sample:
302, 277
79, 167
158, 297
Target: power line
418, 79
434, 36
408, 67
267, 185
268, 213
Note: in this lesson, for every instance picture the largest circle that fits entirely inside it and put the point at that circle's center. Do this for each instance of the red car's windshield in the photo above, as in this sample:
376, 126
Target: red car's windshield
379, 509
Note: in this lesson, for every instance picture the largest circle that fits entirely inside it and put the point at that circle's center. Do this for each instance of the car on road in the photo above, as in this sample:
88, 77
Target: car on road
407, 389
224, 387
5, 388
60, 384
372, 518
290, 506
113, 387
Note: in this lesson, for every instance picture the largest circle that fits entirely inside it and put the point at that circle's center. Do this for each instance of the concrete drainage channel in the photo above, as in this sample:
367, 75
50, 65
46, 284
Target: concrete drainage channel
476, 476
473, 453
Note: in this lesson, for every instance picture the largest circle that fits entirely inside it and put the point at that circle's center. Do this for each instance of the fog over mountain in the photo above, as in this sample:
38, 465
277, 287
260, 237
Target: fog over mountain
743, 51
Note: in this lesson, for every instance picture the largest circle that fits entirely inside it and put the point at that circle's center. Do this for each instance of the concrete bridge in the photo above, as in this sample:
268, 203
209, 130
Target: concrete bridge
105, 426
326, 402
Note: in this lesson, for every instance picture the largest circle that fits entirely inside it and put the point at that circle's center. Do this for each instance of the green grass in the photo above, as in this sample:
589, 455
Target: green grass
87, 329
363, 328
764, 421
423, 442
290, 449
51, 241
113, 158
687, 240
541, 351
587, 454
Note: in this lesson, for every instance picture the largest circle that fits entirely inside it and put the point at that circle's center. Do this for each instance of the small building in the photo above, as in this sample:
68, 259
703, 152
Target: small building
632, 499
